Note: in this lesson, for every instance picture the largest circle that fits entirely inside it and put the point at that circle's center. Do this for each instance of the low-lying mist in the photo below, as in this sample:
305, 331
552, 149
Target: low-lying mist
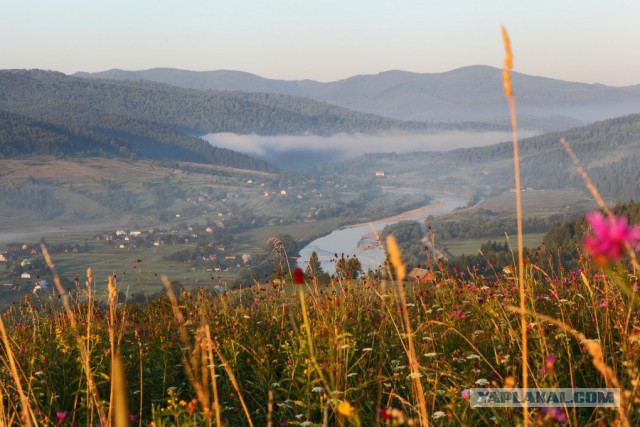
301, 152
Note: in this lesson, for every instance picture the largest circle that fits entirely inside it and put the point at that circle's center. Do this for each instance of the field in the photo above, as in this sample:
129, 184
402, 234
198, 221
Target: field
471, 246
310, 354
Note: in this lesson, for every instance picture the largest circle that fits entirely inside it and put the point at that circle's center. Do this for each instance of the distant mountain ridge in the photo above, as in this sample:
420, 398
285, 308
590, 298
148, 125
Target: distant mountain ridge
50, 113
471, 93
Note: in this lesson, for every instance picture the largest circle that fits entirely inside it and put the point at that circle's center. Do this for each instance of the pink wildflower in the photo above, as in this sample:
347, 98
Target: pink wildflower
610, 236
548, 364
61, 417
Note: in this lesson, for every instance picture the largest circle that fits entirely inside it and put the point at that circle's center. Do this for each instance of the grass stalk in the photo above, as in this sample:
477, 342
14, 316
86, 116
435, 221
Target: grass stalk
92, 389
27, 412
396, 260
508, 67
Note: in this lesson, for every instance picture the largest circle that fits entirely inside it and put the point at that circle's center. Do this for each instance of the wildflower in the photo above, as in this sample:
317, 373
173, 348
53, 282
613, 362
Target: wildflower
548, 364
438, 414
192, 406
346, 409
61, 417
465, 394
554, 414
482, 382
610, 237
298, 276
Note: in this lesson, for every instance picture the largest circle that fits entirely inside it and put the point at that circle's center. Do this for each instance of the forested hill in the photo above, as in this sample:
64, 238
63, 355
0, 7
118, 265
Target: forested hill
609, 150
22, 136
471, 93
57, 97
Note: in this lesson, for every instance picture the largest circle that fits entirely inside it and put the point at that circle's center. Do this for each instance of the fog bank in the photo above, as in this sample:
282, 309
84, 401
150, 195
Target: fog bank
282, 149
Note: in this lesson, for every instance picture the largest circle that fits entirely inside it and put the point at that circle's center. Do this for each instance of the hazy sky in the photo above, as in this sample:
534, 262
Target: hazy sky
580, 40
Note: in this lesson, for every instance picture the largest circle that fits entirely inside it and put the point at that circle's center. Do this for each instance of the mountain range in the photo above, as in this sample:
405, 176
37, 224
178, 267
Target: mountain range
46, 112
471, 93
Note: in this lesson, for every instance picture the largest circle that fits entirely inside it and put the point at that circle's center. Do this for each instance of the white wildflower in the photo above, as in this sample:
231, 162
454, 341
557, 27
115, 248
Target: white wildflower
438, 414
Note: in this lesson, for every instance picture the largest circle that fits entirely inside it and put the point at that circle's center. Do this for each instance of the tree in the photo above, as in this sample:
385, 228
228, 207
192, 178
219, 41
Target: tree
314, 269
348, 268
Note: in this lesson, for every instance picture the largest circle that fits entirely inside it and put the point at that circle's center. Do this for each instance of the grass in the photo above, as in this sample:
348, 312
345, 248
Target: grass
346, 343
471, 246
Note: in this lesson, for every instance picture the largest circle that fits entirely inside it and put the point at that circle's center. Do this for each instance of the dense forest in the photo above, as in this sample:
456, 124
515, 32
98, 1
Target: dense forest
52, 95
88, 132
608, 150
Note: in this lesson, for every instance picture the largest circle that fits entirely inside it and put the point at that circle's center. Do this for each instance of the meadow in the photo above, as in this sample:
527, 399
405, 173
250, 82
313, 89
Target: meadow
321, 354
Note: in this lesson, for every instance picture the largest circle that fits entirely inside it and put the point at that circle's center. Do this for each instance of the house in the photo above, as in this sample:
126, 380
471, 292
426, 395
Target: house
135, 233
3, 258
421, 275
120, 232
25, 263
25, 276
380, 173
208, 230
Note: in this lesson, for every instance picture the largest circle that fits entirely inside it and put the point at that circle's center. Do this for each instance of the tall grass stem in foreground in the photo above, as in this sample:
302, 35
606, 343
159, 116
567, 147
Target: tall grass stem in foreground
27, 413
84, 349
508, 67
396, 260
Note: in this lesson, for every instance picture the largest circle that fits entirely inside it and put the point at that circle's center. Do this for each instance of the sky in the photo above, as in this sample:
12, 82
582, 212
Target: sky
591, 41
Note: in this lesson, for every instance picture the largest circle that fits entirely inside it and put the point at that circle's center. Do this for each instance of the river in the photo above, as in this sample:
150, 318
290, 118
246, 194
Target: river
359, 240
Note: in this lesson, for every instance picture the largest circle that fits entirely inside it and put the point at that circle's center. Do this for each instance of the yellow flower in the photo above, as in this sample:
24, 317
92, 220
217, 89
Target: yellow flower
346, 409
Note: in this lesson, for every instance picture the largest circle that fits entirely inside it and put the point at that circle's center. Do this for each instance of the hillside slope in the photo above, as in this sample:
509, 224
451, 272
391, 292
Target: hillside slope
609, 150
466, 94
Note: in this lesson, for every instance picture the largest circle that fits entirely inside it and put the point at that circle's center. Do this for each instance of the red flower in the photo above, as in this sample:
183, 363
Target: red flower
610, 236
298, 276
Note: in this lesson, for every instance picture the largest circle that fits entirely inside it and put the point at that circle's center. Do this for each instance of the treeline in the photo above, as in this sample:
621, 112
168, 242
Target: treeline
561, 246
609, 150
72, 131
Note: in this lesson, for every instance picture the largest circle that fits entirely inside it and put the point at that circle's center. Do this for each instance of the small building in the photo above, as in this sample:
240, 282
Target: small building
25, 276
283, 192
246, 258
208, 230
3, 258
380, 174
120, 232
421, 275
135, 233
25, 263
